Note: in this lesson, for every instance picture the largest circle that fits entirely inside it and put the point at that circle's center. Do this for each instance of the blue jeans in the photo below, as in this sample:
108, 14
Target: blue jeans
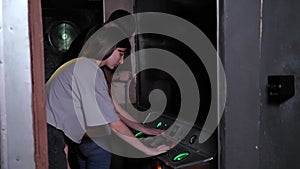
92, 156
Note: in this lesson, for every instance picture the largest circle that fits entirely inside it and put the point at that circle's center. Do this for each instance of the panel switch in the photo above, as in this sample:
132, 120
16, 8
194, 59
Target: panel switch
280, 88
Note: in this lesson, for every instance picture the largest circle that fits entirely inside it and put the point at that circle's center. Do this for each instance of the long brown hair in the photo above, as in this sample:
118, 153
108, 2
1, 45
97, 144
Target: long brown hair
108, 73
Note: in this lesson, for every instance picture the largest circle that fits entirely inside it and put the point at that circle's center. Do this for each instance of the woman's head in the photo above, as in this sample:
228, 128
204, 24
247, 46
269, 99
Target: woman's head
125, 44
117, 54
114, 59
105, 43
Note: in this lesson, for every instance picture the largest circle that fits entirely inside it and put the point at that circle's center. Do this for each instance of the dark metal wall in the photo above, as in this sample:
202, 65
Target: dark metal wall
280, 127
257, 133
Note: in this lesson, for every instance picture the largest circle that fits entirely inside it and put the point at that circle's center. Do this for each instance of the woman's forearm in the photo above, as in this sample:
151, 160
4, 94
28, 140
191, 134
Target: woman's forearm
131, 122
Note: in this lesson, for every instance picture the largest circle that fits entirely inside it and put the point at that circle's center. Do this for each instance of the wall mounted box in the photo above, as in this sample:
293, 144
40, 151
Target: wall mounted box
280, 88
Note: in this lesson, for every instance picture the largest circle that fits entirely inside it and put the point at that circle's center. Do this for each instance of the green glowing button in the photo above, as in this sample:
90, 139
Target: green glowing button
181, 156
159, 124
138, 134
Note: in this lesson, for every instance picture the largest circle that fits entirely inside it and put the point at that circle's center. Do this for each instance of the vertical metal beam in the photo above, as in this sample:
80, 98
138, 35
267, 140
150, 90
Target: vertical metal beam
241, 49
17, 143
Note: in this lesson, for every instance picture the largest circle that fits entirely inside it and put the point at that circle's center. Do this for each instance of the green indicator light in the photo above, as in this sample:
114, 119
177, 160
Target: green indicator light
138, 134
159, 124
181, 156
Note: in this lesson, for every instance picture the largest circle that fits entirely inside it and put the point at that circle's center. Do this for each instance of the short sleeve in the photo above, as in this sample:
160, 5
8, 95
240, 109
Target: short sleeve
97, 106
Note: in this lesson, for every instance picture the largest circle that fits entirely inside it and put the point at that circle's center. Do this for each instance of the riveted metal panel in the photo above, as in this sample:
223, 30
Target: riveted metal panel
17, 145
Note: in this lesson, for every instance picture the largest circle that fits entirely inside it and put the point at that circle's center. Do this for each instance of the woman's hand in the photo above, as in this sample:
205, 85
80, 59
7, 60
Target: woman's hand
157, 150
151, 131
124, 133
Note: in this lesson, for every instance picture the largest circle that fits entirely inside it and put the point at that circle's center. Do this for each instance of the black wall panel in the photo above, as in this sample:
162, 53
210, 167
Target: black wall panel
82, 14
203, 15
280, 127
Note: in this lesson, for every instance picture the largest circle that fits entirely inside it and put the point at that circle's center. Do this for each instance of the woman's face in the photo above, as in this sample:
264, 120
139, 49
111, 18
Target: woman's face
115, 58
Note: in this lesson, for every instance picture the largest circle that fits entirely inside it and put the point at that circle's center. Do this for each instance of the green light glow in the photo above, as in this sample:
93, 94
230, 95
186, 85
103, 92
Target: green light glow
159, 124
138, 134
181, 156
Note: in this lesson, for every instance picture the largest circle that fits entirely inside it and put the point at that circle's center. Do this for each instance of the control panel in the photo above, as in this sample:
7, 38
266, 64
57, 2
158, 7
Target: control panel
183, 138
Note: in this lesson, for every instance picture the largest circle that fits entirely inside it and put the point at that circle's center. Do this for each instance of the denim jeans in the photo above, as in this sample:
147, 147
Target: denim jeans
92, 156
56, 145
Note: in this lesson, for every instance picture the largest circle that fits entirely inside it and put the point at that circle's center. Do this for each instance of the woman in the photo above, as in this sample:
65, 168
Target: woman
78, 98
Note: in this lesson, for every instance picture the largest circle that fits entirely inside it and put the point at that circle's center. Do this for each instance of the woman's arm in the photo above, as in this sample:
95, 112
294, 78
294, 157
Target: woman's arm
121, 111
124, 133
130, 121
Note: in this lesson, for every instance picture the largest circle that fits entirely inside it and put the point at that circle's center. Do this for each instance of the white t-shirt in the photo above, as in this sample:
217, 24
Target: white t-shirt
77, 97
